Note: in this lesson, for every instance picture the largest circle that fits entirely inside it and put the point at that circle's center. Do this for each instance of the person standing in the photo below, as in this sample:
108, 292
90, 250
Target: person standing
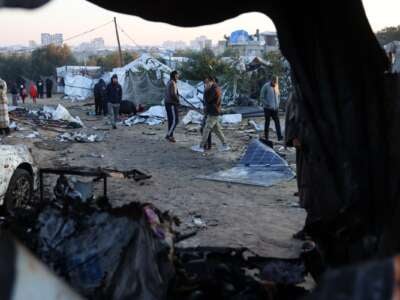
33, 92
14, 94
4, 118
99, 96
212, 97
269, 97
49, 87
40, 88
23, 93
114, 98
171, 105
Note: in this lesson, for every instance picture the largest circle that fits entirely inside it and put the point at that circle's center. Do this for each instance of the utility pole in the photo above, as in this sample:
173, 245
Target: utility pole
119, 44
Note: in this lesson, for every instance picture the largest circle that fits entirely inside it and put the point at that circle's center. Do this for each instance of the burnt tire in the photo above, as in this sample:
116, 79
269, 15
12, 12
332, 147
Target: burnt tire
20, 190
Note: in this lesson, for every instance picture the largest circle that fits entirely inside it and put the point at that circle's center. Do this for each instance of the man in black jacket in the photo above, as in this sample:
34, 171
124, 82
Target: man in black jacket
40, 88
99, 96
171, 105
49, 87
114, 98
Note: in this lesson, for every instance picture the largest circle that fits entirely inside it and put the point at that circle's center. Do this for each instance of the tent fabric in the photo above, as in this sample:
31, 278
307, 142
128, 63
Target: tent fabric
260, 166
79, 87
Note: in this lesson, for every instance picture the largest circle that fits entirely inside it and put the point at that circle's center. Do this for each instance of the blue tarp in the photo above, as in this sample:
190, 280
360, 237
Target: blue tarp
239, 37
260, 166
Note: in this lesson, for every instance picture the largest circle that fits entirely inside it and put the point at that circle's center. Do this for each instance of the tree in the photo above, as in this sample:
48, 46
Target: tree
14, 66
388, 34
45, 60
111, 61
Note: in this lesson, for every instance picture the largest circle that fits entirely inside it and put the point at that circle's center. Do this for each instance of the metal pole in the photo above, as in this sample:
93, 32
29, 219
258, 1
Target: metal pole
119, 44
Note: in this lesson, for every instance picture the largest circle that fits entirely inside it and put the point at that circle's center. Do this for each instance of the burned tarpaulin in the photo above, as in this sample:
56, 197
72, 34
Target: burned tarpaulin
235, 273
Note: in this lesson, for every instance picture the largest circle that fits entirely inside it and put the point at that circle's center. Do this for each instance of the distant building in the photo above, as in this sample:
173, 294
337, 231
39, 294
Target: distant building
174, 45
32, 44
252, 45
48, 39
201, 43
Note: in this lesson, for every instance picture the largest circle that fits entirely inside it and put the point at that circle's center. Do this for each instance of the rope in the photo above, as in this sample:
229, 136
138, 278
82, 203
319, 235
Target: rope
128, 36
88, 31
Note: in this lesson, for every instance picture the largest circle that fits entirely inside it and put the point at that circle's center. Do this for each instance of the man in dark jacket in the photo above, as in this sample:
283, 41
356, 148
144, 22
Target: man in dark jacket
99, 96
212, 97
40, 88
114, 98
171, 105
49, 87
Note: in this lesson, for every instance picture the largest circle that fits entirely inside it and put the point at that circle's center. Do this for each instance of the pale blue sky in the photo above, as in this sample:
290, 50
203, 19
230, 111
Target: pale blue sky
75, 16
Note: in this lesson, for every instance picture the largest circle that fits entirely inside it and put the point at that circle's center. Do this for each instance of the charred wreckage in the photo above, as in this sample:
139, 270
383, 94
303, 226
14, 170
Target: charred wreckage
350, 106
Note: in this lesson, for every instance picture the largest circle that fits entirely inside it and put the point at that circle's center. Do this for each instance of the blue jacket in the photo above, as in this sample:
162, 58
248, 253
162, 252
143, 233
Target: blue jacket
114, 93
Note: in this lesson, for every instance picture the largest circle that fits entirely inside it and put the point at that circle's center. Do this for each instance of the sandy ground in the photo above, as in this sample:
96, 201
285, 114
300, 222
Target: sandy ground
262, 219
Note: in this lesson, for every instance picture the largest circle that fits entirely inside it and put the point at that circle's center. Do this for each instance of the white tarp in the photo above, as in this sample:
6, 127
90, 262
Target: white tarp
193, 117
231, 119
79, 87
157, 111
61, 113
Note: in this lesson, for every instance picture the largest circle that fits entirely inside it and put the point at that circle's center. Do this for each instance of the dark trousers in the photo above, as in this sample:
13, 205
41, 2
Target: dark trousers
98, 103
203, 124
269, 113
48, 93
173, 118
105, 107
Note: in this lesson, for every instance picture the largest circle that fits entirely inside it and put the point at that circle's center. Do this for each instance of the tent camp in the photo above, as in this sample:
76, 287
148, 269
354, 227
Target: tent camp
77, 82
143, 82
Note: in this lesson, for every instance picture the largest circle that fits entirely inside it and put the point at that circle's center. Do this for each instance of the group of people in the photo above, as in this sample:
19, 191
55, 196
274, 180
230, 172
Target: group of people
212, 111
36, 90
108, 99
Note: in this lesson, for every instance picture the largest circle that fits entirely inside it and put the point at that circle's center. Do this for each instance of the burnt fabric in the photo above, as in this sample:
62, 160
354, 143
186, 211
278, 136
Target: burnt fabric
4, 118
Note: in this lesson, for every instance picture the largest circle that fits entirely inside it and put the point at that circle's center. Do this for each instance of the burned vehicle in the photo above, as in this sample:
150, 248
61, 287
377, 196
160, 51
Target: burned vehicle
18, 178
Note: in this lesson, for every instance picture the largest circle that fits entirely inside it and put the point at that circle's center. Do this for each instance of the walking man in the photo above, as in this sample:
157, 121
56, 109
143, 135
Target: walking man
171, 105
212, 97
4, 118
114, 98
99, 95
269, 97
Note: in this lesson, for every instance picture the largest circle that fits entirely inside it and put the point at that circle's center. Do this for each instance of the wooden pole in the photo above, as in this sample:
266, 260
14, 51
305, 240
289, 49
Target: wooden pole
119, 44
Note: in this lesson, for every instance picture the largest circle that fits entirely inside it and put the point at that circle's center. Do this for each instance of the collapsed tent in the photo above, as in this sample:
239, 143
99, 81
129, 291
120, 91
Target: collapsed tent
260, 166
78, 81
143, 82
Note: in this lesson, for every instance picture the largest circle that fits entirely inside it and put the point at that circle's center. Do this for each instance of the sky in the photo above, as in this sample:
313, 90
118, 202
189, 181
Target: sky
76, 16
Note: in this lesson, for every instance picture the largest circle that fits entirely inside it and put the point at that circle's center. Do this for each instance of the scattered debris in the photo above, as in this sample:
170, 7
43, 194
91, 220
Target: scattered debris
255, 125
231, 119
52, 145
80, 137
33, 135
192, 117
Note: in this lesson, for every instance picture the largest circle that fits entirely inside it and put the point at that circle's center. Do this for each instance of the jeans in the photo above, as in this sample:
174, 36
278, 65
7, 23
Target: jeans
98, 102
113, 109
173, 118
212, 124
269, 113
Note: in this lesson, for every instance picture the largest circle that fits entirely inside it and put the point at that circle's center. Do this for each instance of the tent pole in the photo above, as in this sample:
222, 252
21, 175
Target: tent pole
119, 44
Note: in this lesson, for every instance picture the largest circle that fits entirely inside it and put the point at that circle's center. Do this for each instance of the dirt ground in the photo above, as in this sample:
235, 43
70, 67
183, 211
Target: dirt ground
262, 219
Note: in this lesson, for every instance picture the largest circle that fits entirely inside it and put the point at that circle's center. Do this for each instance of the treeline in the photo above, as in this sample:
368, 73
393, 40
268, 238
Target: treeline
388, 34
42, 62
110, 61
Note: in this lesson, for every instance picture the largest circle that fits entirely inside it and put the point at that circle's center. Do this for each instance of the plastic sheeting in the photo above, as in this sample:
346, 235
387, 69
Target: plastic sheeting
192, 117
260, 166
78, 87
61, 113
231, 119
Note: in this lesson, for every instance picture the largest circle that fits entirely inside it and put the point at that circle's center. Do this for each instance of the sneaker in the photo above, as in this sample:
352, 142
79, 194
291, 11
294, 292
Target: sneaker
197, 148
224, 148
172, 139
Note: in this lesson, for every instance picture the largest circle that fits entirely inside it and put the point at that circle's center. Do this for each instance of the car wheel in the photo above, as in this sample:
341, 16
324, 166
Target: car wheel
20, 190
